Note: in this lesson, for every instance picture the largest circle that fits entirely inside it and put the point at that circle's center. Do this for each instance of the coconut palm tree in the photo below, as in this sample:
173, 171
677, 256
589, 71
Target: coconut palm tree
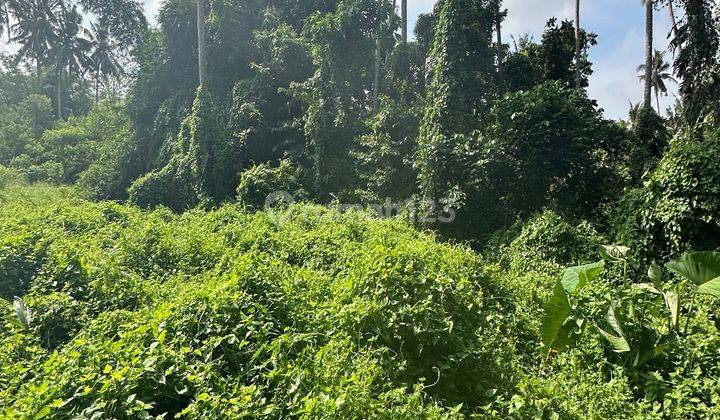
649, 9
70, 49
6, 9
633, 113
673, 20
661, 73
34, 30
103, 59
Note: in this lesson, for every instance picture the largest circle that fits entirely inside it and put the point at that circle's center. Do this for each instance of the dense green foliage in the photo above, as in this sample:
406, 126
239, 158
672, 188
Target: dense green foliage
144, 274
304, 312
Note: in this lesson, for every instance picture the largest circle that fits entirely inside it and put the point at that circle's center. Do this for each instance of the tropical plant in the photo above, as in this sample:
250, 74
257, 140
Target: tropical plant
649, 9
629, 326
34, 30
697, 42
69, 49
660, 75
103, 57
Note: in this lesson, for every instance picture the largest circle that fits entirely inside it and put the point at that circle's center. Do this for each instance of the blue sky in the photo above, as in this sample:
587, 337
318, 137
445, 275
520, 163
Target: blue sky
620, 25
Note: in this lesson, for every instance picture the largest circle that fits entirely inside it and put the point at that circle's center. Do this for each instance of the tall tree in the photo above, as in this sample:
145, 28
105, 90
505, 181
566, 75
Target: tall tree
201, 40
458, 91
404, 20
660, 75
578, 47
69, 50
103, 58
34, 30
649, 9
673, 20
499, 18
6, 9
697, 43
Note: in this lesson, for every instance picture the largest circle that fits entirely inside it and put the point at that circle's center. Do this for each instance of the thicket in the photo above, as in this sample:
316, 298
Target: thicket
305, 312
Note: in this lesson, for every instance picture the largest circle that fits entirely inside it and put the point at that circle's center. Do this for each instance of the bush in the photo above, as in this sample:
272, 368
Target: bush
258, 182
677, 210
547, 239
212, 313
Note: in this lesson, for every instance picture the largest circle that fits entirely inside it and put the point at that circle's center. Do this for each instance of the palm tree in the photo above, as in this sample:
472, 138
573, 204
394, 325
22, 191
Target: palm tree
6, 9
672, 16
633, 113
34, 29
103, 58
649, 8
661, 74
578, 47
70, 50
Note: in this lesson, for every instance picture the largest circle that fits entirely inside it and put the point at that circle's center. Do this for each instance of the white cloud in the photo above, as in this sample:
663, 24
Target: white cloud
151, 10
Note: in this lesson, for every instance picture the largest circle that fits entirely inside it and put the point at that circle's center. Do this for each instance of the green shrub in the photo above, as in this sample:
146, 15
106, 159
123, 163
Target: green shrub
258, 182
547, 241
678, 207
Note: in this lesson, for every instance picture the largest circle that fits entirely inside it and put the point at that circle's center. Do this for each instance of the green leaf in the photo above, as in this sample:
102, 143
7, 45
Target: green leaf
672, 301
576, 278
614, 253
698, 267
648, 288
557, 311
22, 312
655, 274
710, 288
617, 340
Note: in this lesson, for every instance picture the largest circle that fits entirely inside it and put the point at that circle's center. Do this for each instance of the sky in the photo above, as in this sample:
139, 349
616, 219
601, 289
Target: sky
620, 25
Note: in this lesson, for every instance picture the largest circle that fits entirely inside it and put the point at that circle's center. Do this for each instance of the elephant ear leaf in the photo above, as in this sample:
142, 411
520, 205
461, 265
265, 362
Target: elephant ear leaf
576, 278
701, 268
616, 338
554, 329
22, 312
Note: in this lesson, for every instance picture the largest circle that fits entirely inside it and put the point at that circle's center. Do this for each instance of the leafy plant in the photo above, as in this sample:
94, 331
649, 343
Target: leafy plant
630, 325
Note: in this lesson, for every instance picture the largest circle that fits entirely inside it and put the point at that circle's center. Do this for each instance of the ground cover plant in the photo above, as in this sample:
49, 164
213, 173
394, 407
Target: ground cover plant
302, 312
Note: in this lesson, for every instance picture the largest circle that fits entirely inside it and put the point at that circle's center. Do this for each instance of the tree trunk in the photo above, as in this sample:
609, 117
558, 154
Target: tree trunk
647, 103
201, 40
59, 96
657, 99
578, 49
673, 21
376, 82
97, 84
499, 46
404, 20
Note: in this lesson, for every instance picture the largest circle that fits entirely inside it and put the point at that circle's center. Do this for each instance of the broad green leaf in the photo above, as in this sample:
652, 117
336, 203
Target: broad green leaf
576, 278
617, 340
557, 311
672, 301
23, 312
655, 274
619, 344
614, 253
648, 288
613, 321
698, 267
711, 287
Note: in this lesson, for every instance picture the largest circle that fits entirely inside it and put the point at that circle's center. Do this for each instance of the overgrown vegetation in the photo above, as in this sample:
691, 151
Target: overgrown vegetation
142, 276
